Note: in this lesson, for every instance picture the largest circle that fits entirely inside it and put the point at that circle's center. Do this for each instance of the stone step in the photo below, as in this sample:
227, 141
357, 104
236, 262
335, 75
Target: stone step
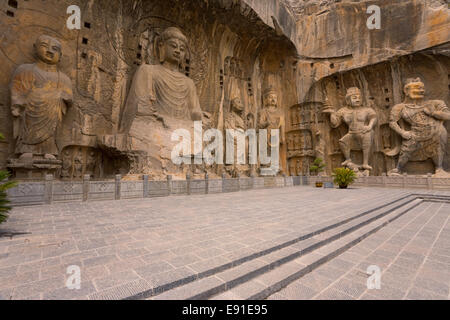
244, 272
269, 283
248, 255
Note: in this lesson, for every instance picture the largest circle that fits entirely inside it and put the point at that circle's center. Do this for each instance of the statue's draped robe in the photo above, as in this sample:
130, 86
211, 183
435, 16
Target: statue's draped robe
159, 102
233, 121
275, 121
44, 96
158, 90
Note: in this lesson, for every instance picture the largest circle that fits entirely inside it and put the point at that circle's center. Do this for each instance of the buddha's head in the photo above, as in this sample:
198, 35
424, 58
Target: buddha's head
236, 105
48, 49
173, 46
353, 97
414, 88
270, 98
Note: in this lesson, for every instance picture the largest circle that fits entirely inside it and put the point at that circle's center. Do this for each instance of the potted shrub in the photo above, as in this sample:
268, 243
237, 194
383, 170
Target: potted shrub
343, 177
5, 184
317, 167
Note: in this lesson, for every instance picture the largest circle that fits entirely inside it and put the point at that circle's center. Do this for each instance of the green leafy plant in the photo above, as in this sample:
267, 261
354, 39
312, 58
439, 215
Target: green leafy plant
5, 184
318, 166
344, 177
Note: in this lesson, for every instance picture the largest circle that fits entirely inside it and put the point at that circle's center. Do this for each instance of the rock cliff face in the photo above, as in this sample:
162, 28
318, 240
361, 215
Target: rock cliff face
305, 52
337, 51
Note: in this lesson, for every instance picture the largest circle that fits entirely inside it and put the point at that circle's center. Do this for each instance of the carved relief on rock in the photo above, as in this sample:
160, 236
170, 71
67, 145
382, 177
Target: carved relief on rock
40, 96
163, 90
361, 121
427, 137
234, 120
272, 118
78, 161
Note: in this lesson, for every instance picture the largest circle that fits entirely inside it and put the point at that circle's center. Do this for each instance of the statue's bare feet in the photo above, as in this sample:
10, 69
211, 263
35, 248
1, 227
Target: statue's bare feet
441, 173
367, 167
347, 163
49, 156
394, 172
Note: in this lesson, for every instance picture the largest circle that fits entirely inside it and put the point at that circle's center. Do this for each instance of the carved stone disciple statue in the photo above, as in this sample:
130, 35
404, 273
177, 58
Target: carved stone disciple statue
427, 135
162, 90
40, 95
234, 119
272, 118
361, 121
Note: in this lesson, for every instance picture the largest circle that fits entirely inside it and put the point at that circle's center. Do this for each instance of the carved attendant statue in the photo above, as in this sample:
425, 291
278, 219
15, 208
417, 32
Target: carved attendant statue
234, 120
428, 134
162, 90
272, 118
361, 121
40, 95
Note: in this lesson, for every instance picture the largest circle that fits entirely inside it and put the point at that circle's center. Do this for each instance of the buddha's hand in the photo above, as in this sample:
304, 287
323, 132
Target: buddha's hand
16, 110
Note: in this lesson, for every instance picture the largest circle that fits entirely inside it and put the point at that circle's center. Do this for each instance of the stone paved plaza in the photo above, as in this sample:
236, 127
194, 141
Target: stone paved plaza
129, 247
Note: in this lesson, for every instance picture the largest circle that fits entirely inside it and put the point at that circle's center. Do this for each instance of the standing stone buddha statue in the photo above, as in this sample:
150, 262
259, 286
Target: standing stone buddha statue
40, 95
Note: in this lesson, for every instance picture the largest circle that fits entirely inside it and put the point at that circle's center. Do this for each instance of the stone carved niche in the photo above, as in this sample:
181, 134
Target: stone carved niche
306, 137
224, 61
227, 43
382, 88
80, 161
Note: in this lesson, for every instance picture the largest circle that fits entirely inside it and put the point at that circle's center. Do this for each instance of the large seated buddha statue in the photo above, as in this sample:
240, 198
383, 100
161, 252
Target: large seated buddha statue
161, 99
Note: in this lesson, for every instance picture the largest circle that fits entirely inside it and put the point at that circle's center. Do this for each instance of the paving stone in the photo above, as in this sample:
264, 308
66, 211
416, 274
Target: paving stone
183, 260
116, 236
436, 287
153, 268
351, 286
38, 287
188, 291
248, 289
333, 294
422, 294
99, 260
122, 291
86, 288
115, 279
297, 291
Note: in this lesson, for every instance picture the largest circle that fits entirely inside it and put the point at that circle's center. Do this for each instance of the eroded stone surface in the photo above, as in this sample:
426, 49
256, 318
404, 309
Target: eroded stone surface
308, 52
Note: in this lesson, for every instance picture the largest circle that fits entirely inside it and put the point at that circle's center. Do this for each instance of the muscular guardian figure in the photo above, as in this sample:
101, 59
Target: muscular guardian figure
427, 134
361, 121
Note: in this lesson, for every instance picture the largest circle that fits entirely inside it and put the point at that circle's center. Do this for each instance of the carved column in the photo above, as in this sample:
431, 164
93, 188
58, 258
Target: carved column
86, 179
145, 185
117, 187
48, 195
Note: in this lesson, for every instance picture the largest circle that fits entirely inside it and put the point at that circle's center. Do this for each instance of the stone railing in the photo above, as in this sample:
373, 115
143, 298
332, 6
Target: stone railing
52, 191
406, 181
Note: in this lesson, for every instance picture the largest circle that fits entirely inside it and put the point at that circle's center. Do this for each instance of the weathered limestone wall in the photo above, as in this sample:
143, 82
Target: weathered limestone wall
337, 51
307, 51
116, 38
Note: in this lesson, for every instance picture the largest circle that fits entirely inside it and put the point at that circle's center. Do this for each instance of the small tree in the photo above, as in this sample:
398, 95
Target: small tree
318, 166
4, 185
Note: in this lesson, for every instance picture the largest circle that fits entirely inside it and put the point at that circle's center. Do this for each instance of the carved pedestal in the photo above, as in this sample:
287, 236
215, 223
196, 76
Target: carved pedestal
35, 169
